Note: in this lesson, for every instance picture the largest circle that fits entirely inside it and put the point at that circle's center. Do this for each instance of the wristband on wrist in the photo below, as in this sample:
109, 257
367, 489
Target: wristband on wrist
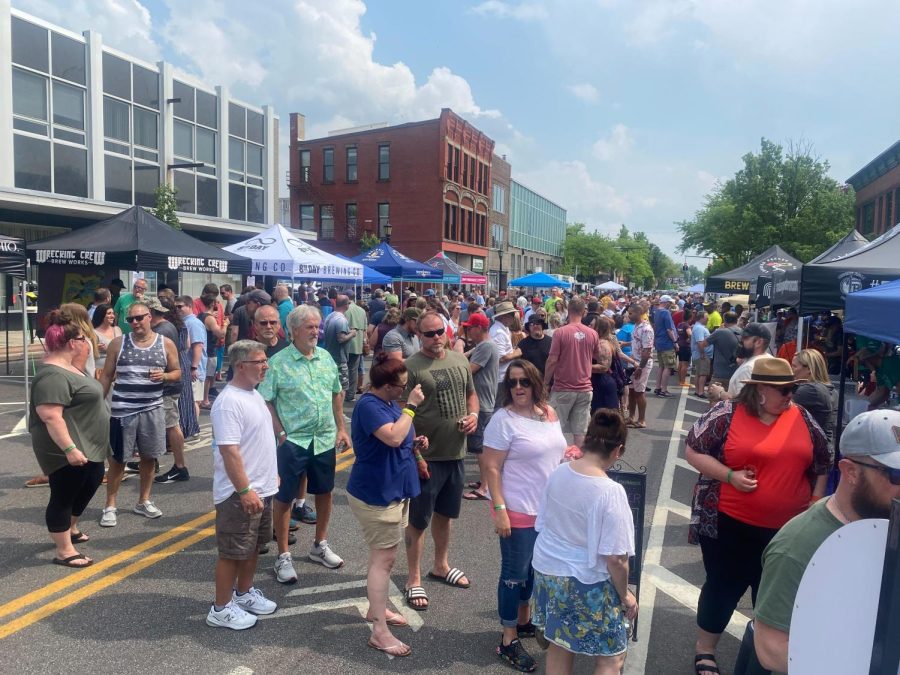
410, 413
282, 433
245, 490
728, 480
499, 507
412, 406
69, 449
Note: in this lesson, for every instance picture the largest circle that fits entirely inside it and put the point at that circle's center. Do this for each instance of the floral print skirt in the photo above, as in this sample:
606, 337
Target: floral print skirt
580, 618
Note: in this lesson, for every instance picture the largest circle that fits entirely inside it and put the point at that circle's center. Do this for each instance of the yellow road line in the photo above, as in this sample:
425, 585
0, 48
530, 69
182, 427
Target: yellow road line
44, 611
350, 458
77, 577
115, 577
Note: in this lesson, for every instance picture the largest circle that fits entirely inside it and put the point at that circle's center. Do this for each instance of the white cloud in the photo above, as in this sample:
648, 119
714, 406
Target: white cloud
523, 11
656, 20
123, 24
585, 91
615, 145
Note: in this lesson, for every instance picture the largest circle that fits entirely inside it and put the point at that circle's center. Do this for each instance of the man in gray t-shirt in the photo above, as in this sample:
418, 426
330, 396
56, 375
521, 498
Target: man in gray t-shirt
724, 341
401, 342
338, 335
484, 362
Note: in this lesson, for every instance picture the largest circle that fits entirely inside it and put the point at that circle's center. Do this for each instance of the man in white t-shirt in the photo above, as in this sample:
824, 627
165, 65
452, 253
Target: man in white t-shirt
755, 340
245, 478
504, 315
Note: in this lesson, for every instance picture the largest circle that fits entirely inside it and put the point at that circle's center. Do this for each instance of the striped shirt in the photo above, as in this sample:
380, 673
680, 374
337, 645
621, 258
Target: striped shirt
133, 391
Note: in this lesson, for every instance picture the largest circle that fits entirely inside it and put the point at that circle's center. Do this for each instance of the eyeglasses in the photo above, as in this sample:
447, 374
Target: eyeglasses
257, 362
80, 338
433, 333
136, 317
399, 385
268, 323
523, 382
892, 474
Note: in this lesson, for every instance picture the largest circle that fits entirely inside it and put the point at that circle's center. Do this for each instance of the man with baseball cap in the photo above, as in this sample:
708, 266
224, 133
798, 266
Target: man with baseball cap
484, 362
242, 317
504, 315
755, 339
870, 479
536, 304
664, 341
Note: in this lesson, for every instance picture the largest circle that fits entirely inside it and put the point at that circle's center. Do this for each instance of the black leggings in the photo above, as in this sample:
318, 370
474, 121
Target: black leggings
732, 563
71, 489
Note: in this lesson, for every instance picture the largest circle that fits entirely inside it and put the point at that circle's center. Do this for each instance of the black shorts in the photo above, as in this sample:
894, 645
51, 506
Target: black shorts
442, 493
475, 440
684, 354
294, 461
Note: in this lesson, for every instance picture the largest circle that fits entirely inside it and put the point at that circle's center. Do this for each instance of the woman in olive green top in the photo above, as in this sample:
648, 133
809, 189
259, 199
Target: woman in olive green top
69, 427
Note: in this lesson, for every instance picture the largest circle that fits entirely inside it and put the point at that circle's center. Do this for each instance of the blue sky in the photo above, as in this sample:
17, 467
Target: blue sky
621, 111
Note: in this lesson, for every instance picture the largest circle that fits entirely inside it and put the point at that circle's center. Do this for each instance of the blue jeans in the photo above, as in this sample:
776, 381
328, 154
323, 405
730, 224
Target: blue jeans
516, 575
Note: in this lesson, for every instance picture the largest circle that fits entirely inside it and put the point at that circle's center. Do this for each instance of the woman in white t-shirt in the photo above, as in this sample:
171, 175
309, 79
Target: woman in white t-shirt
523, 444
585, 536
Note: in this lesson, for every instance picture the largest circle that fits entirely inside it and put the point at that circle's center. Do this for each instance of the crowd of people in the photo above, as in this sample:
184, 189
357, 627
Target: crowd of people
539, 390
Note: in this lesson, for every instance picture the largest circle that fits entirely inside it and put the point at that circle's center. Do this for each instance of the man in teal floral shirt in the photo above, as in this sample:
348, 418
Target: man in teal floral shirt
304, 395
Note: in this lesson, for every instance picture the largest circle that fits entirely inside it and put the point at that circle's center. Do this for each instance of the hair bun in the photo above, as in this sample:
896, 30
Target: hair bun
59, 317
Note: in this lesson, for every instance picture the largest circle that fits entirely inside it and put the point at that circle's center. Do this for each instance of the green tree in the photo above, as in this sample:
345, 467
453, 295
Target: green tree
589, 254
780, 197
367, 242
166, 206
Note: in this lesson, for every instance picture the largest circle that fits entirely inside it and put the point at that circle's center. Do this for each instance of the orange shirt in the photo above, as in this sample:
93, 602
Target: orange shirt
781, 454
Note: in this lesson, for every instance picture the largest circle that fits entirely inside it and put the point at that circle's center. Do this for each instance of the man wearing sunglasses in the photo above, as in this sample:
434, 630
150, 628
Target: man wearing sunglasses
870, 479
754, 342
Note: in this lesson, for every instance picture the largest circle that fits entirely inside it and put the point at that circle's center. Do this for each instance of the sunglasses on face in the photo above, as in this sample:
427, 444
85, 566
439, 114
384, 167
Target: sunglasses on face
433, 333
523, 382
268, 323
136, 317
892, 474
786, 390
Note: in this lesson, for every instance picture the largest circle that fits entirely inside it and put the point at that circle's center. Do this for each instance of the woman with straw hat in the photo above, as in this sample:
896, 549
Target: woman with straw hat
762, 460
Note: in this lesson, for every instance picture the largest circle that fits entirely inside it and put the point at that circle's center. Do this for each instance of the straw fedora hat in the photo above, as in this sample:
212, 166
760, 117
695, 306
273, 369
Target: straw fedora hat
773, 371
504, 307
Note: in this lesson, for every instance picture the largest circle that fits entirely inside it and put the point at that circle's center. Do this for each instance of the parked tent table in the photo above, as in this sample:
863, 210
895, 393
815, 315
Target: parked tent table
279, 252
739, 280
136, 240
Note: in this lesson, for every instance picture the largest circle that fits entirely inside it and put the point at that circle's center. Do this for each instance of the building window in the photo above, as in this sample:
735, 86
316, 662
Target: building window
384, 162
888, 210
465, 172
237, 201
455, 165
350, 214
307, 217
328, 165
449, 162
446, 220
326, 220
472, 173
384, 217
304, 166
497, 236
29, 45
352, 174
498, 199
183, 140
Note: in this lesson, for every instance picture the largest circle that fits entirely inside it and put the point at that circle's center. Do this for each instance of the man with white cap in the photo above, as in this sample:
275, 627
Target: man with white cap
870, 479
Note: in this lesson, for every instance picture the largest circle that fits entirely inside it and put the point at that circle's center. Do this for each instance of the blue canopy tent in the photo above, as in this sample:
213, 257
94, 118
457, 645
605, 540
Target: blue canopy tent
875, 312
539, 280
370, 276
387, 260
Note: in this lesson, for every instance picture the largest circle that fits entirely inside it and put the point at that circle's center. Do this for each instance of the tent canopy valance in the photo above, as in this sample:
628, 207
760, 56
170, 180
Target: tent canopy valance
370, 276
386, 259
136, 240
279, 252
539, 280
12, 256
740, 279
454, 273
825, 285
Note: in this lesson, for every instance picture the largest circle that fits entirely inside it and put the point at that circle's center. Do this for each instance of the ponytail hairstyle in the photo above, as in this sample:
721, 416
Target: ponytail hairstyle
606, 432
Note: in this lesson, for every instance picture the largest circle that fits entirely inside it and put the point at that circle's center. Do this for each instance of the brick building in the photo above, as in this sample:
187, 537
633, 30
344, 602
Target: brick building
877, 187
500, 203
430, 180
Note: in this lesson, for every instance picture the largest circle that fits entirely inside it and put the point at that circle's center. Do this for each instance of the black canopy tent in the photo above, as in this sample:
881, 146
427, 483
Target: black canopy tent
739, 280
852, 241
136, 240
824, 286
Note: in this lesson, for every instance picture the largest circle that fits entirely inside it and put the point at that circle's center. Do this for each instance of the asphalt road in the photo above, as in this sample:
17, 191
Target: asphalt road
141, 607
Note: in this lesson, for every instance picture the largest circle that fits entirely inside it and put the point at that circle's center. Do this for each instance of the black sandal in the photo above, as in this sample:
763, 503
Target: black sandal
80, 538
70, 561
416, 593
700, 670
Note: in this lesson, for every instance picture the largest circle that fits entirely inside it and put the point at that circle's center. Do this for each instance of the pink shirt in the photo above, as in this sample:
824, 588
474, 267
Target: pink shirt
574, 345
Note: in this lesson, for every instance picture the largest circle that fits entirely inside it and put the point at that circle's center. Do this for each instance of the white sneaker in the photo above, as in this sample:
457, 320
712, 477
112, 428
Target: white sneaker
108, 519
147, 509
255, 602
231, 616
323, 555
284, 569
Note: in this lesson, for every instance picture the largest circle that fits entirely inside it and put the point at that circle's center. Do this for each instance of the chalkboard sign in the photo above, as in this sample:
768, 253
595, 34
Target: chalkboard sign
635, 485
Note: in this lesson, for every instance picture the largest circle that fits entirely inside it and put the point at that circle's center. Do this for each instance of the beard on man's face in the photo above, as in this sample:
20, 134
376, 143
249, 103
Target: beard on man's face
864, 501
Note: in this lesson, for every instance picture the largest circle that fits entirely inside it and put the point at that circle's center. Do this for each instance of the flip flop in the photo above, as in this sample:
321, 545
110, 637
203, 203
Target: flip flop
388, 650
67, 562
474, 496
637, 425
416, 593
37, 481
80, 538
474, 484
451, 579
396, 623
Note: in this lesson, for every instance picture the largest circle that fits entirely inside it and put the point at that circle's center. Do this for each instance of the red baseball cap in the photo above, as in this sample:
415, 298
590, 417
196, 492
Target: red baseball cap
478, 320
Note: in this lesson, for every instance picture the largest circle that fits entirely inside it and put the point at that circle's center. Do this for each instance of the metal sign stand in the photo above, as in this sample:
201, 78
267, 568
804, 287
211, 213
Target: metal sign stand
635, 484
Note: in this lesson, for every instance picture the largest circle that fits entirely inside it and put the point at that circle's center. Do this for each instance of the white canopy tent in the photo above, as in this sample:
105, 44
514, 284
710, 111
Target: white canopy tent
279, 252
611, 286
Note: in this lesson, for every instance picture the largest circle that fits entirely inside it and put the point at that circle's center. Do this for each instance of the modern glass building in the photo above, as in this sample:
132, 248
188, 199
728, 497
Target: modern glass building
537, 230
87, 130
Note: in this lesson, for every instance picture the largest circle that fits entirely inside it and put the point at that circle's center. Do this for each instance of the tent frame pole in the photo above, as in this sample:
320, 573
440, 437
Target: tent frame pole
24, 342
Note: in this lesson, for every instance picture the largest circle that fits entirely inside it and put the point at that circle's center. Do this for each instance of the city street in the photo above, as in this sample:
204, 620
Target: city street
142, 605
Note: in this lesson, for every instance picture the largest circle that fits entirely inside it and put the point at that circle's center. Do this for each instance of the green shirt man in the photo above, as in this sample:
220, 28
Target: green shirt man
126, 300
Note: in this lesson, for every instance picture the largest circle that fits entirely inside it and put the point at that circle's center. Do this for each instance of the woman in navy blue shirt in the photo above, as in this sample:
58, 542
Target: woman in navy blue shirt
383, 479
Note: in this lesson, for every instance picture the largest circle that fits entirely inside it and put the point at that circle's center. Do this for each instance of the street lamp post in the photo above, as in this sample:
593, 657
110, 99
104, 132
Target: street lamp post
500, 273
